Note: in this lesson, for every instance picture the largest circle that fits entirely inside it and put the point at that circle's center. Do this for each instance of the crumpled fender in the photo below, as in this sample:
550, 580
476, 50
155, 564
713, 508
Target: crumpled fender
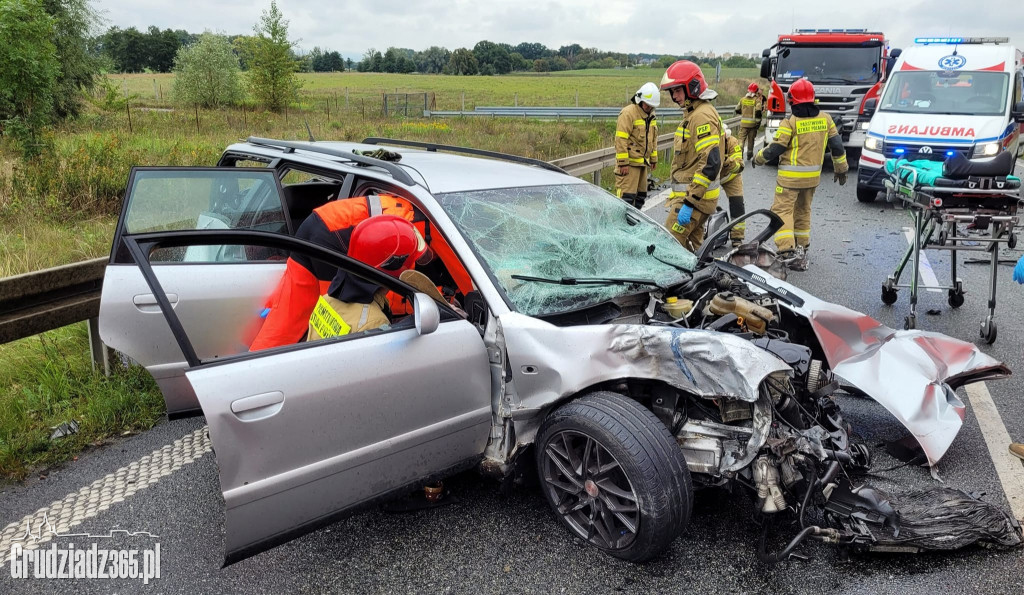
913, 374
549, 363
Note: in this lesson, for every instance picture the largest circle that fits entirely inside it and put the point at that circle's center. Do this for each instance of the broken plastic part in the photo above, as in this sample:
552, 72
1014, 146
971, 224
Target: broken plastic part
564, 231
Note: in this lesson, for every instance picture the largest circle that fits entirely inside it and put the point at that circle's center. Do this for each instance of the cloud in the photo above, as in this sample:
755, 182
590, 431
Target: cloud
740, 26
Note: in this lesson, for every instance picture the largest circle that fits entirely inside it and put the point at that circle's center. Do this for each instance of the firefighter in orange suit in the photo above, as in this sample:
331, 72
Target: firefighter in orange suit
288, 310
636, 145
699, 152
800, 146
750, 108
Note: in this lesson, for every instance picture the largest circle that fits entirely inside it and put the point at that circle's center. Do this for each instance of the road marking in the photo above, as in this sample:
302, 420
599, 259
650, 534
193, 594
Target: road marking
656, 201
925, 266
1008, 467
100, 495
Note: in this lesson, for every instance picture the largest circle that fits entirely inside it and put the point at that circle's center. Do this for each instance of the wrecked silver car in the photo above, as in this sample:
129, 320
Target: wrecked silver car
570, 336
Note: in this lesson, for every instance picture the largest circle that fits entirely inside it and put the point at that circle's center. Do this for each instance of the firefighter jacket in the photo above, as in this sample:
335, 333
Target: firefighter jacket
699, 148
636, 137
800, 144
750, 109
733, 159
333, 318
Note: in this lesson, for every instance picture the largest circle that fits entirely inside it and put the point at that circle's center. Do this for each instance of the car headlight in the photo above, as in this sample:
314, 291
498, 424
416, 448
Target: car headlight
865, 125
873, 143
986, 149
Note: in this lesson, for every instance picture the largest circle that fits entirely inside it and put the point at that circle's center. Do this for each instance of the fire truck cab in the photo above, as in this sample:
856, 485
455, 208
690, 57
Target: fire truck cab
846, 66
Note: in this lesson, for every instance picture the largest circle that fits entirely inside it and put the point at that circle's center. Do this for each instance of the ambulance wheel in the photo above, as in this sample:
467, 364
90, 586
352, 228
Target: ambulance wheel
956, 297
888, 296
1011, 241
866, 194
910, 323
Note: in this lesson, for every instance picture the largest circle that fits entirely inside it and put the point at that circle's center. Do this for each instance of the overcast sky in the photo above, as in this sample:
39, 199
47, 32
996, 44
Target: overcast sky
666, 27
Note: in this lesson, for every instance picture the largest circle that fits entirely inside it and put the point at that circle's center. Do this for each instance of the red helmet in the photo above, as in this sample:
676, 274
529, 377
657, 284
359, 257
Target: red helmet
386, 242
686, 74
752, 88
802, 91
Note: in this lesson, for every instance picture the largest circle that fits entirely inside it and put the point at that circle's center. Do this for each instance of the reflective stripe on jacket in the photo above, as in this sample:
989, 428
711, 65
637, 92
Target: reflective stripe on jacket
804, 141
699, 151
636, 137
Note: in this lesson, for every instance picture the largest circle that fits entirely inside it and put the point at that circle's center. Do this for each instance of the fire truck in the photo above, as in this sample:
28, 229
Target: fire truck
847, 67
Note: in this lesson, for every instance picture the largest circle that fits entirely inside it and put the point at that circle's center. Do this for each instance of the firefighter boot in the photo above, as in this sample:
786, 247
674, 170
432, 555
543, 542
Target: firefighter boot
737, 210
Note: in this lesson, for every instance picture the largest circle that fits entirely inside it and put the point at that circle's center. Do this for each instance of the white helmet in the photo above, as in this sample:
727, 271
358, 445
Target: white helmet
649, 94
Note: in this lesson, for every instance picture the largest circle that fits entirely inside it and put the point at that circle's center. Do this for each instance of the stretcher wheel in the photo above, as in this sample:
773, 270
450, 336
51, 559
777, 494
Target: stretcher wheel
989, 331
910, 323
888, 296
956, 297
1011, 241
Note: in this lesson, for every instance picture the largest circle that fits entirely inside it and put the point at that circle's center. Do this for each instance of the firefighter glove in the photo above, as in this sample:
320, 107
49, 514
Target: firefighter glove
685, 212
841, 178
1018, 271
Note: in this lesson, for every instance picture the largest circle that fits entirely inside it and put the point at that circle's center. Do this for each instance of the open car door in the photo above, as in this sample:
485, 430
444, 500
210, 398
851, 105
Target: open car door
305, 433
217, 291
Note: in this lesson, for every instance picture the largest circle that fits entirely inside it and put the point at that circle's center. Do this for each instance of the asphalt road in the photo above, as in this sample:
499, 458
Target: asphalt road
486, 542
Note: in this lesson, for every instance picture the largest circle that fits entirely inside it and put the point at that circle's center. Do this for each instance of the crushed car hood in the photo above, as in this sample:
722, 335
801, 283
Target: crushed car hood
913, 374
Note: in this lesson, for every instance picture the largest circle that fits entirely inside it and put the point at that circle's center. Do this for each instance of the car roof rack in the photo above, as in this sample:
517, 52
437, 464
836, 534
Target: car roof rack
373, 140
396, 171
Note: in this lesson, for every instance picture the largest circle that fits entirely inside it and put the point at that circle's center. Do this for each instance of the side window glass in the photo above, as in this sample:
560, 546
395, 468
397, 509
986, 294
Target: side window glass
1018, 89
205, 199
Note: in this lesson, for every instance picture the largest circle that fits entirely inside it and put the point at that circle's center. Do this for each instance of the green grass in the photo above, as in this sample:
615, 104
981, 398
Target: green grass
47, 380
32, 245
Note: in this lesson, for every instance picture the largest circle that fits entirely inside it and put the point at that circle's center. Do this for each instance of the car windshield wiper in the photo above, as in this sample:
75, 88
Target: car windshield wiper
589, 281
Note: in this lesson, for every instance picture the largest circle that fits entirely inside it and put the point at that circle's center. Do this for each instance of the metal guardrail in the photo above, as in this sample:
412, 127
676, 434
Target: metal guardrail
555, 113
34, 303
37, 302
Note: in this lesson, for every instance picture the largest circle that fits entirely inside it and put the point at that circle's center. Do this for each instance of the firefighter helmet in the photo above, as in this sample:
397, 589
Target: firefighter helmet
752, 88
386, 242
686, 74
649, 94
802, 91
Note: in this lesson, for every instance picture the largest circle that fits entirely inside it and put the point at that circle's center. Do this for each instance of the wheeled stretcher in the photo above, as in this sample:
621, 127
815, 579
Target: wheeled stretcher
943, 196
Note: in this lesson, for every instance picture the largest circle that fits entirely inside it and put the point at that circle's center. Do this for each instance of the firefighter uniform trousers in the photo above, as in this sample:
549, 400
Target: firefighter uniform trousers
632, 187
793, 206
691, 235
746, 137
733, 186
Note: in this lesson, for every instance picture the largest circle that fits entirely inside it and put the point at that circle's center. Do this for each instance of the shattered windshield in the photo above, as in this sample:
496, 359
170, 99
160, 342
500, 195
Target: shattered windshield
569, 231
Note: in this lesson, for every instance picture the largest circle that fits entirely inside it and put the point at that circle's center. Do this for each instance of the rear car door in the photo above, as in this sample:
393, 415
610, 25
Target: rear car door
217, 291
305, 433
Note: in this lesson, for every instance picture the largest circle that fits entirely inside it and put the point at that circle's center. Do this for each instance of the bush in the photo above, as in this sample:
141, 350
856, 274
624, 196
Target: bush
207, 73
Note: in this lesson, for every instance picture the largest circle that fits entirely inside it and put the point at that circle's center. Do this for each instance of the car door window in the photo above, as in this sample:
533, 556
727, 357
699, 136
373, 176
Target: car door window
212, 199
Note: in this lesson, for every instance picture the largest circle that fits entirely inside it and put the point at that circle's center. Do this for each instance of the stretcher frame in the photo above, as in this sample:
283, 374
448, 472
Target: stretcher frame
935, 228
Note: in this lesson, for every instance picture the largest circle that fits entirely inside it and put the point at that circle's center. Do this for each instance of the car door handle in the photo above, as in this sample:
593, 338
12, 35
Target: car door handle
147, 302
257, 407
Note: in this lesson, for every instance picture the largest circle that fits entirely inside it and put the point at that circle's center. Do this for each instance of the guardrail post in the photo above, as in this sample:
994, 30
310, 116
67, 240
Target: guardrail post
597, 178
99, 352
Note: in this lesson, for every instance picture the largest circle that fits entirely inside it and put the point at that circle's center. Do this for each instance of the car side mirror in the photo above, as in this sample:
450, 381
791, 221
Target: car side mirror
765, 69
766, 52
425, 313
869, 107
1018, 111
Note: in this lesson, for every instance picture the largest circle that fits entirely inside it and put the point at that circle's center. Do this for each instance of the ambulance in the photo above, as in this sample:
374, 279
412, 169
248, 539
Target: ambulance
945, 95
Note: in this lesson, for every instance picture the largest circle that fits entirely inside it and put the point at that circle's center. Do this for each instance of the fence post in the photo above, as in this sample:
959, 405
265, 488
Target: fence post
463, 101
98, 352
128, 108
328, 101
155, 95
197, 118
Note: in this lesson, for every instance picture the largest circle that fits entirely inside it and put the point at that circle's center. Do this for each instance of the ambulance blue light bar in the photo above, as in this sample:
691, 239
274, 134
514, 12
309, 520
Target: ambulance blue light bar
960, 40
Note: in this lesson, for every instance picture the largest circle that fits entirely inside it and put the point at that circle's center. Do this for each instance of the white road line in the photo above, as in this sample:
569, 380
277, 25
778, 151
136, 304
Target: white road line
927, 273
1008, 467
75, 508
656, 201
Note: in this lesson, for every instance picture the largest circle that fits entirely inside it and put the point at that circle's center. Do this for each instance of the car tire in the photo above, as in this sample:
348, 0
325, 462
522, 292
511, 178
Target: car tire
866, 194
643, 495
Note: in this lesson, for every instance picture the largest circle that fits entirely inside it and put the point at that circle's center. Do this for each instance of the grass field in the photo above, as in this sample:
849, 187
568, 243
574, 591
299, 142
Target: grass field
364, 89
